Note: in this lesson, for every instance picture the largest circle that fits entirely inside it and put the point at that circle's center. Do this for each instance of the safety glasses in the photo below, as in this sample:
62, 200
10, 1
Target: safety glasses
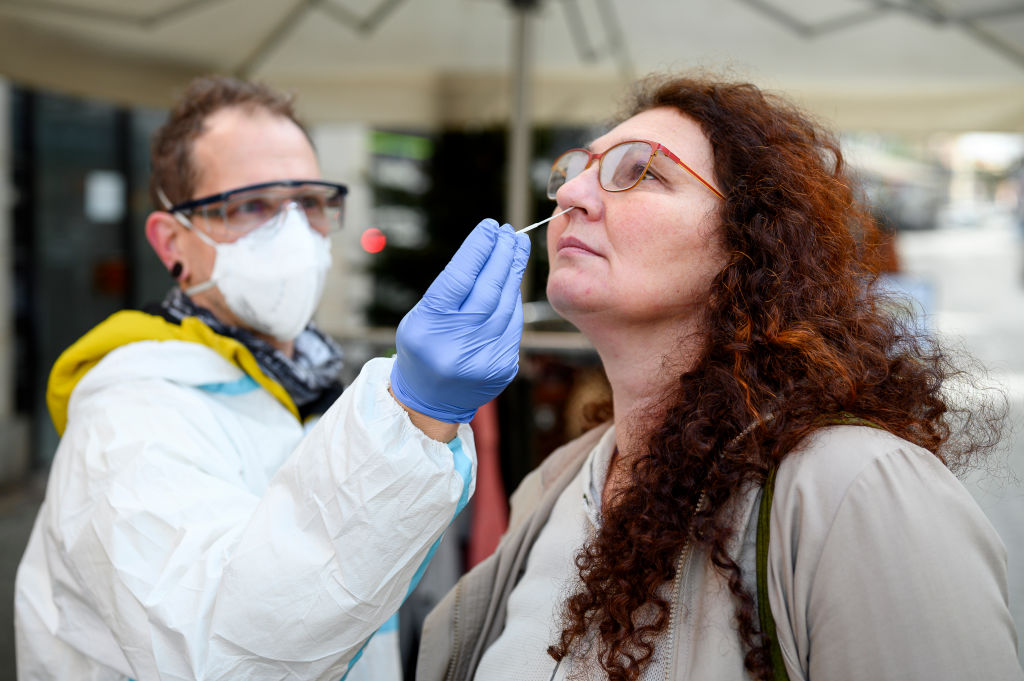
246, 208
620, 168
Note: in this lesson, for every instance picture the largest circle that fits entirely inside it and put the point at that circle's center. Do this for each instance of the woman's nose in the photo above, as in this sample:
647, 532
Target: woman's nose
582, 191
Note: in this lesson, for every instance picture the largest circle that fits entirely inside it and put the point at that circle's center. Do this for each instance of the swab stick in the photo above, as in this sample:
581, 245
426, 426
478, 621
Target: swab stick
538, 224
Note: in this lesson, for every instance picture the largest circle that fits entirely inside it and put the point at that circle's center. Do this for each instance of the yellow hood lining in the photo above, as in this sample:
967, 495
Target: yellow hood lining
131, 326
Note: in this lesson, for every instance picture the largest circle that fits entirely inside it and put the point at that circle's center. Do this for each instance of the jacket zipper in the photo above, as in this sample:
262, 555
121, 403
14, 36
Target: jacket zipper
450, 675
677, 587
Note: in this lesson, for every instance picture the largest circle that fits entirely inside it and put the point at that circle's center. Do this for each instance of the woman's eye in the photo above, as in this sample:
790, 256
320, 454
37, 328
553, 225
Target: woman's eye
627, 174
652, 174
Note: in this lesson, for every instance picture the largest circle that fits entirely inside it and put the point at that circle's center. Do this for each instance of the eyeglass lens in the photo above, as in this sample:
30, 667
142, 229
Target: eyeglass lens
621, 167
247, 211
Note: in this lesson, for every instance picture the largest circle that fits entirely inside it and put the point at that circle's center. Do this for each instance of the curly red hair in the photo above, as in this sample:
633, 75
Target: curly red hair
795, 330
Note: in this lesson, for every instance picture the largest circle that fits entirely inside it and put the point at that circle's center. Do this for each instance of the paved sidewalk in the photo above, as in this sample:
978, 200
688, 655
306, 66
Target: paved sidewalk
973, 275
18, 506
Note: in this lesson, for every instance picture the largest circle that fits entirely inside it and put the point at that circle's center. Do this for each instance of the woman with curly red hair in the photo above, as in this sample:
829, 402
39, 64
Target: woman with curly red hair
720, 262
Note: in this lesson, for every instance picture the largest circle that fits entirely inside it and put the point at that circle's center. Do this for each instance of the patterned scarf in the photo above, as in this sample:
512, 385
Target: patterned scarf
308, 376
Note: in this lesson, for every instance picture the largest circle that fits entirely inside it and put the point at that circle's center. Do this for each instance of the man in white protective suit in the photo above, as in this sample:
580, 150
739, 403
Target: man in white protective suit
217, 507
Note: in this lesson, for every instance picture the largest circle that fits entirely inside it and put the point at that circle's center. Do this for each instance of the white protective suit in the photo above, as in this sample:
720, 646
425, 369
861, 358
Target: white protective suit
193, 528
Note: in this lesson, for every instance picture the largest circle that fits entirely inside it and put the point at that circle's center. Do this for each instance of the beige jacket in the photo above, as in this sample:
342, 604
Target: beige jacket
881, 566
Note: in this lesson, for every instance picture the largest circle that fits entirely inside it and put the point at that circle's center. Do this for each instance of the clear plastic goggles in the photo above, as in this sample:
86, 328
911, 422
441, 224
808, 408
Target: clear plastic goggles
246, 208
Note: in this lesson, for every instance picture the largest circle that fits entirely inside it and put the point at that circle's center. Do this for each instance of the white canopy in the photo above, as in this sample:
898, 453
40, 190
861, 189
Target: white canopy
907, 65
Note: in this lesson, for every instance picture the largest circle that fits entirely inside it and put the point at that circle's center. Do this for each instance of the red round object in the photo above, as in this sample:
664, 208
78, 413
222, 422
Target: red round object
373, 240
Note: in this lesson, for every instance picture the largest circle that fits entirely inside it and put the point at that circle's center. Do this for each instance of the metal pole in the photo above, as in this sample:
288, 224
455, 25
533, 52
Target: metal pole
520, 141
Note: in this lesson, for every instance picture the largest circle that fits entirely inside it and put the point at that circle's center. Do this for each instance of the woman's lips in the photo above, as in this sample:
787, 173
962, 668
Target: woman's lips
574, 243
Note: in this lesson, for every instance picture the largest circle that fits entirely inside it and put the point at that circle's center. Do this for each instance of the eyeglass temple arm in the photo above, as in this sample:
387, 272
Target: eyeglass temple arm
690, 170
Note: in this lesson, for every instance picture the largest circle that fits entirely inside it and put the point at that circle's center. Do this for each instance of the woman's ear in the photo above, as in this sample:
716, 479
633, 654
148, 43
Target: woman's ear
164, 235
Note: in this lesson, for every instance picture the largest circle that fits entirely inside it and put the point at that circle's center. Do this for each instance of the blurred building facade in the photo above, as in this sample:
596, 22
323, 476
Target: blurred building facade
13, 427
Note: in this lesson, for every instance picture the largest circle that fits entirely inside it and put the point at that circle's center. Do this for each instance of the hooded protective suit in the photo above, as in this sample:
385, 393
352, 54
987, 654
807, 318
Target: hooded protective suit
193, 528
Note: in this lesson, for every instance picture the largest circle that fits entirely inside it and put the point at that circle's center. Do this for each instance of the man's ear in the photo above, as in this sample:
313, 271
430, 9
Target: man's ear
164, 235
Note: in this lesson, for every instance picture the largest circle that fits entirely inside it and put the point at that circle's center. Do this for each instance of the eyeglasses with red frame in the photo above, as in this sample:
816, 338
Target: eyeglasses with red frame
620, 168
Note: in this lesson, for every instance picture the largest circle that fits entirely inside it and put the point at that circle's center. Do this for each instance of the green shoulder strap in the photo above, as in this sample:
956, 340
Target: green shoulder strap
764, 611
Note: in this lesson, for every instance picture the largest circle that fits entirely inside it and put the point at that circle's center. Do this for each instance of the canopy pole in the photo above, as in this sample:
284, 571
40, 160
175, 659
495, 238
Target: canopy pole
520, 128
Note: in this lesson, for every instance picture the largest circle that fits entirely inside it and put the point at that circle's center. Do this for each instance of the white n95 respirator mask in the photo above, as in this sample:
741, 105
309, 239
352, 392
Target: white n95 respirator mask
272, 278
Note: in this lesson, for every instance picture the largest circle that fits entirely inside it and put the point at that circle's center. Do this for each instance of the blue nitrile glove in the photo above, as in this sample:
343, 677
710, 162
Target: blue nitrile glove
459, 346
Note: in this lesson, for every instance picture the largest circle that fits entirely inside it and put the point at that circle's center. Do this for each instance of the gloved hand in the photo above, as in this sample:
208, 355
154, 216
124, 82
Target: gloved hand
458, 347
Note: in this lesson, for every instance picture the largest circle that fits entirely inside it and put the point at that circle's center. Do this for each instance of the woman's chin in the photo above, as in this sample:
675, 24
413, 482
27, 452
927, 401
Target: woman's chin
561, 295
570, 302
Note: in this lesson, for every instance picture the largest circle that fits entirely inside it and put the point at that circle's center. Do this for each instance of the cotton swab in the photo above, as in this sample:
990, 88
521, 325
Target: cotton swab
538, 224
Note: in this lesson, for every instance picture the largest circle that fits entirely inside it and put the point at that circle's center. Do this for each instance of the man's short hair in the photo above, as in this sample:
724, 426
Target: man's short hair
171, 149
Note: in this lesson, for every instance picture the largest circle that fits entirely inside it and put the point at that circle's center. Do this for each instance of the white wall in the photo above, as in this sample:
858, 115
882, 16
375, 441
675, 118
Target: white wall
344, 152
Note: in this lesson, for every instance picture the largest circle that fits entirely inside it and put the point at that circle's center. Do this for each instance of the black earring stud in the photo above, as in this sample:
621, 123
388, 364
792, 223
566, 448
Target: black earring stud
176, 270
